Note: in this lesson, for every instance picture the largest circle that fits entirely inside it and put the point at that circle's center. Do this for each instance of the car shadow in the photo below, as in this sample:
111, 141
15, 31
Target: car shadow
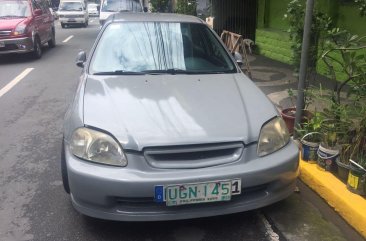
27, 57
236, 226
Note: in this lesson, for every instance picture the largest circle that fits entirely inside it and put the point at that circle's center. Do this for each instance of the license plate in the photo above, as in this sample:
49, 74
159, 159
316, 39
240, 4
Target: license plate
71, 20
2, 44
175, 195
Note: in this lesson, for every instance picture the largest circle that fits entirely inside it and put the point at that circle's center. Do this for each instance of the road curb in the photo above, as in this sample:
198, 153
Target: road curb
350, 206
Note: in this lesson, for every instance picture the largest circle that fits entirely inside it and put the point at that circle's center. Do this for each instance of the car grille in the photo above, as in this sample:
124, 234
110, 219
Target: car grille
5, 33
193, 156
9, 47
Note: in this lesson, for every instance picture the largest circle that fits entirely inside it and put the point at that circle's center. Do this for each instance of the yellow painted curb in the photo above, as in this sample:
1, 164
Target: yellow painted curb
350, 206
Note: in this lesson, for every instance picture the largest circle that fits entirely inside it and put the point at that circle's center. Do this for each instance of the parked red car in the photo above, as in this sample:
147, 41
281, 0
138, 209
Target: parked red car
25, 25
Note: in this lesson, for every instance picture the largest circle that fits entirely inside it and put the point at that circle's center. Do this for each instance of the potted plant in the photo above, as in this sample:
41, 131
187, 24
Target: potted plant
357, 174
288, 114
344, 52
335, 128
309, 131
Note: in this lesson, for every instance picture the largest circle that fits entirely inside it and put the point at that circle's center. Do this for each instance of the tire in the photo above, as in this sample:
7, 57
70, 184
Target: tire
63, 25
85, 24
52, 42
65, 177
37, 48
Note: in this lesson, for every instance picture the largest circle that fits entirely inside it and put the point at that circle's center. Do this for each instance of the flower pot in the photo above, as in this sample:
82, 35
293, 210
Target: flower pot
356, 181
288, 115
342, 170
327, 158
309, 149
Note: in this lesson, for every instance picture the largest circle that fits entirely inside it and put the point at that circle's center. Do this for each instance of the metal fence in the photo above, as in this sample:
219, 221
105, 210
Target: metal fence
238, 16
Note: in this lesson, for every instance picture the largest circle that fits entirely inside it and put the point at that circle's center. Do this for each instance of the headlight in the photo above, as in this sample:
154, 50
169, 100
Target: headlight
20, 29
97, 147
274, 135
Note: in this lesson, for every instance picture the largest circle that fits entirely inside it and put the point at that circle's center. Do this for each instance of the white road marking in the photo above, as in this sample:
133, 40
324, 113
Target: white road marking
15, 81
68, 38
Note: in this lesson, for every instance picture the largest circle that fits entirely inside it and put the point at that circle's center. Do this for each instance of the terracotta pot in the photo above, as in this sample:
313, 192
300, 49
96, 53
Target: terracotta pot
288, 115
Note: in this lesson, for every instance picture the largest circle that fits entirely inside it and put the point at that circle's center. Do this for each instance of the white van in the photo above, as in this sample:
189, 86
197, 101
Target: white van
73, 12
108, 7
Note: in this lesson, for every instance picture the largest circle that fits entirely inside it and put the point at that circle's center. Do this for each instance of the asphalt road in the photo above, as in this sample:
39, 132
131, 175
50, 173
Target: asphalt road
34, 95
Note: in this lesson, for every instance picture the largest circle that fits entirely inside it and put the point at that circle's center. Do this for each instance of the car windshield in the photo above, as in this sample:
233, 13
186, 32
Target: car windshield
71, 6
158, 48
121, 5
14, 9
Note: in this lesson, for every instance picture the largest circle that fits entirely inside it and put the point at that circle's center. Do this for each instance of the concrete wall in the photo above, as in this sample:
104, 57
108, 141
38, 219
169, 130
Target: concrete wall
274, 44
272, 39
349, 18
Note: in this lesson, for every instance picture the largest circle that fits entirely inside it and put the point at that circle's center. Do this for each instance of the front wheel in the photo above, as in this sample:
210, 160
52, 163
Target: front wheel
65, 177
52, 41
37, 49
63, 25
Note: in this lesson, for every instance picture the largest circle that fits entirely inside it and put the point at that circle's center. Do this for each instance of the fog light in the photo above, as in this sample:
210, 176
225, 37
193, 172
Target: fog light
22, 46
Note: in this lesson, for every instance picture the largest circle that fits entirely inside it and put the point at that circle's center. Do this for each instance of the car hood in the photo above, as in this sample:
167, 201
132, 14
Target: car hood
160, 110
10, 23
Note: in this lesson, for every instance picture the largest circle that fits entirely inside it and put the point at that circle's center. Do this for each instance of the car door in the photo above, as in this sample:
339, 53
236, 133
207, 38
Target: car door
38, 20
47, 20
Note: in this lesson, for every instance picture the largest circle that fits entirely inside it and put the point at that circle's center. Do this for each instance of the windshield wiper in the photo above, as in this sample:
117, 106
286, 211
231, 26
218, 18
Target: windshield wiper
168, 71
119, 72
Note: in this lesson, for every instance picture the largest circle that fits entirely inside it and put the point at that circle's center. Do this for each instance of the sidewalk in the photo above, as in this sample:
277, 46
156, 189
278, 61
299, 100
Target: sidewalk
274, 79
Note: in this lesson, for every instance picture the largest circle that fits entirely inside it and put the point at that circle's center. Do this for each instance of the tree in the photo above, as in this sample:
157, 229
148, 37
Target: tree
160, 6
186, 7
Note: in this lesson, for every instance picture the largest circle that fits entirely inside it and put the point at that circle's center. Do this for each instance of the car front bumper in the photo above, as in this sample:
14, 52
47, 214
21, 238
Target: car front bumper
64, 20
16, 45
127, 194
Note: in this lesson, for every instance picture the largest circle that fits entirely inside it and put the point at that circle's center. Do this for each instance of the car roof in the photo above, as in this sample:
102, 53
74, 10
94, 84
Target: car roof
154, 17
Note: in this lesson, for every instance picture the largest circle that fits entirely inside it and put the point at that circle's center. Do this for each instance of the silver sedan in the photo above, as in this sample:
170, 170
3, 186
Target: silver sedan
164, 125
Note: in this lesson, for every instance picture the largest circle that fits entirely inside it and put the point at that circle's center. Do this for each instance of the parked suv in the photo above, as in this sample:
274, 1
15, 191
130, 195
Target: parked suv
73, 12
25, 25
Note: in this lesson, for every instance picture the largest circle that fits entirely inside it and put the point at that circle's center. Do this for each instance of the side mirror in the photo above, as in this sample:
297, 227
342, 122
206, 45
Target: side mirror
238, 58
37, 12
81, 59
146, 9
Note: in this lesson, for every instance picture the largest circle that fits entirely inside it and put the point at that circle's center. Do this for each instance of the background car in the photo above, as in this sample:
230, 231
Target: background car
73, 12
170, 128
25, 26
109, 7
93, 9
